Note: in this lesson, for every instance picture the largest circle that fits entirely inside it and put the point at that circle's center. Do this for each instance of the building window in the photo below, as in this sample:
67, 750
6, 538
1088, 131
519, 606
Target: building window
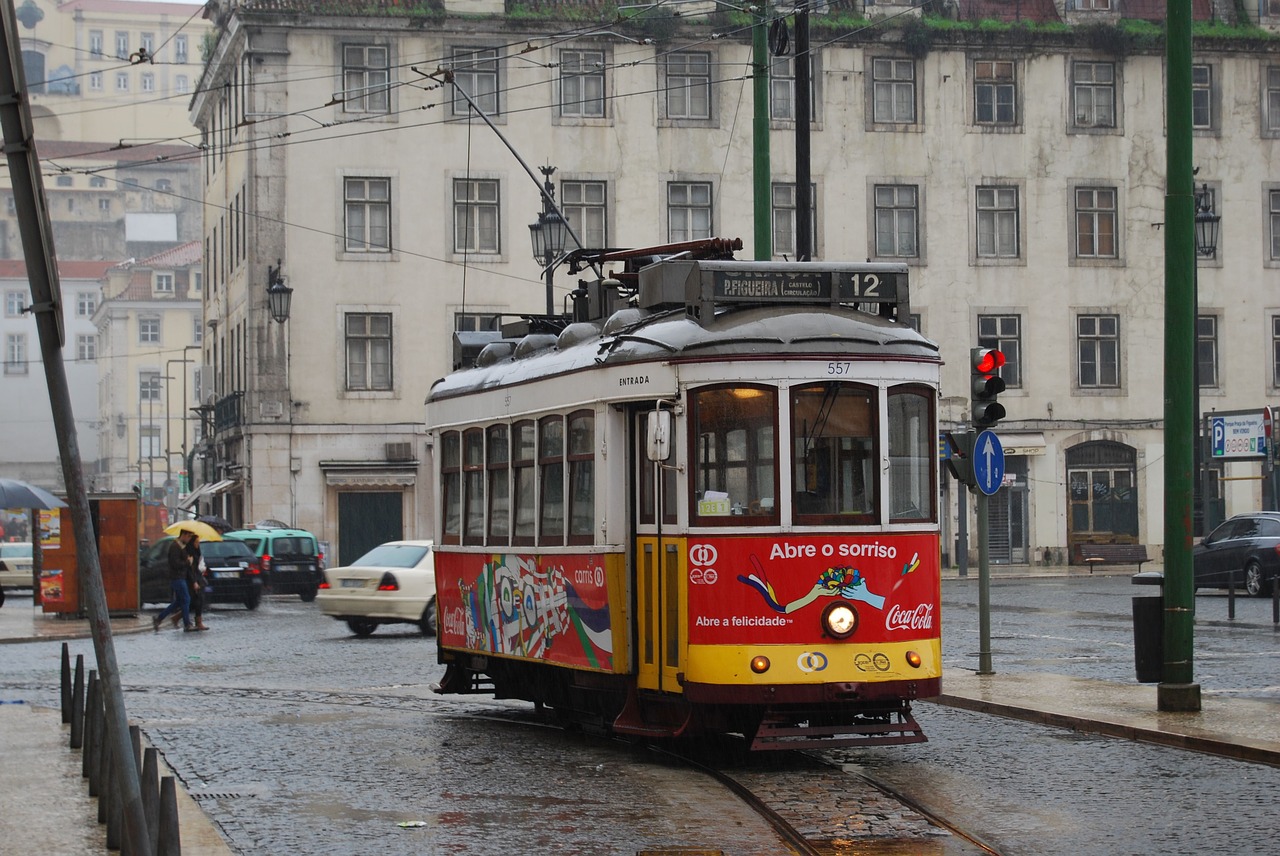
1202, 97
197, 281
368, 351
15, 353
897, 217
65, 181
1275, 350
1004, 333
365, 79
1271, 121
164, 185
95, 81
149, 442
893, 87
86, 347
1098, 351
1207, 351
1273, 198
995, 93
367, 206
122, 45
149, 329
149, 386
782, 89
180, 49
95, 44
86, 304
197, 329
148, 82
97, 181
1093, 5
476, 322
122, 81
688, 85
148, 43
163, 283
104, 205
688, 211
582, 84
997, 221
583, 205
1096, 224
14, 303
475, 216
1093, 94
784, 217
180, 84
475, 72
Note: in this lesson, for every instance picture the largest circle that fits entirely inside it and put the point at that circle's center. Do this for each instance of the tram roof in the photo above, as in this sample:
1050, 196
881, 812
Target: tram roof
635, 335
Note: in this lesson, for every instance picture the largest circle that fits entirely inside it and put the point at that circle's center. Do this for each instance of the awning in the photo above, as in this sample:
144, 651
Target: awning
207, 489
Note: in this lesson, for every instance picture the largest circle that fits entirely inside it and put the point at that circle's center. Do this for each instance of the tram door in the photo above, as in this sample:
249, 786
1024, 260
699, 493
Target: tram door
659, 590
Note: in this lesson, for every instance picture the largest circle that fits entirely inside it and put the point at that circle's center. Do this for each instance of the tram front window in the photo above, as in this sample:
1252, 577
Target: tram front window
735, 461
833, 430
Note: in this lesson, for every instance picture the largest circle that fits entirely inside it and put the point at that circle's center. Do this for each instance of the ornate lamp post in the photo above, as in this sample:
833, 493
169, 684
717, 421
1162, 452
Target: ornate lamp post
548, 234
1207, 223
279, 295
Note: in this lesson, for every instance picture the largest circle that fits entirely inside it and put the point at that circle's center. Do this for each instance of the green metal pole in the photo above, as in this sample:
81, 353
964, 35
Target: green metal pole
1176, 690
761, 185
984, 586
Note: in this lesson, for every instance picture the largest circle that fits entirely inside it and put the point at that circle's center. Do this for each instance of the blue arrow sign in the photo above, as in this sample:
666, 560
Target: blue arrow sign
988, 462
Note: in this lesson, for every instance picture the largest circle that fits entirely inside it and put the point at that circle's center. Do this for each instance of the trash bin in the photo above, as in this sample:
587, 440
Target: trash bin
1148, 629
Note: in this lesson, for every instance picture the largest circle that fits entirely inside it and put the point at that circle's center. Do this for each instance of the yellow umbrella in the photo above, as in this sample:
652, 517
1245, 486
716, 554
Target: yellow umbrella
203, 530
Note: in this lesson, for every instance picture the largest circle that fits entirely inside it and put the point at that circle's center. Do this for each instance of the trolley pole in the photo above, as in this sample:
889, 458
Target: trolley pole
984, 588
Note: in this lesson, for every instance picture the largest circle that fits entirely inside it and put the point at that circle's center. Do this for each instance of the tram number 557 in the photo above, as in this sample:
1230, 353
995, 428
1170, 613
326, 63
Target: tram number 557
838, 369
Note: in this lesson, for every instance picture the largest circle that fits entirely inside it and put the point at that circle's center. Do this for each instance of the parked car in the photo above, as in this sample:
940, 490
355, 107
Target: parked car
15, 564
230, 570
1248, 546
393, 583
288, 558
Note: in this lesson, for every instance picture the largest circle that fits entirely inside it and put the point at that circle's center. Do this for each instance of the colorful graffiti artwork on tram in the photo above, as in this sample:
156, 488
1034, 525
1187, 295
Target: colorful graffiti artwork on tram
553, 608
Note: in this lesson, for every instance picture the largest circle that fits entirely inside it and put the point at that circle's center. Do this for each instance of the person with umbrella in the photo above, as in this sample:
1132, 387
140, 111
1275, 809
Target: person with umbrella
179, 582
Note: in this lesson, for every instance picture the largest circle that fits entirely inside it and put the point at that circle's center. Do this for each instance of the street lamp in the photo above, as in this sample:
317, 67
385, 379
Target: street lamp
549, 234
279, 295
1207, 223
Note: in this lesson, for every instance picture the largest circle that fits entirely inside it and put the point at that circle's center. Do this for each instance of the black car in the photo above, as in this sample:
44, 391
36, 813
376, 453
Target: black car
231, 570
1246, 546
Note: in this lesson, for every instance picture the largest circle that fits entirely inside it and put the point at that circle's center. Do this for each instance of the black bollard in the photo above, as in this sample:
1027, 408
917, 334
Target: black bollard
66, 684
77, 705
111, 796
135, 740
89, 753
1275, 600
151, 795
170, 839
1231, 595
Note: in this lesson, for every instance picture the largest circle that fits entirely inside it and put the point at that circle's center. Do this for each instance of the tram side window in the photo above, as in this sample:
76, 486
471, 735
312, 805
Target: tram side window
551, 480
582, 481
523, 454
912, 454
499, 467
834, 453
473, 485
734, 468
451, 477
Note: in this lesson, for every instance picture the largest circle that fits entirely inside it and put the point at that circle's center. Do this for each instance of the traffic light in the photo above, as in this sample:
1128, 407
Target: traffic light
984, 366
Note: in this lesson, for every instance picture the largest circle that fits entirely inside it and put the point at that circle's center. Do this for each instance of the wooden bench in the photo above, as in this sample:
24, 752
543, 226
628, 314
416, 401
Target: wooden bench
1113, 554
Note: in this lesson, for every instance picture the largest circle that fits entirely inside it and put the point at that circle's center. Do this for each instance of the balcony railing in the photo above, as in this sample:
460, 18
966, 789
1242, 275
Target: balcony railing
228, 412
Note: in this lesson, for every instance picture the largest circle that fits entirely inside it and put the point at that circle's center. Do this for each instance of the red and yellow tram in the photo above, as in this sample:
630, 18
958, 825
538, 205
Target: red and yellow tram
708, 503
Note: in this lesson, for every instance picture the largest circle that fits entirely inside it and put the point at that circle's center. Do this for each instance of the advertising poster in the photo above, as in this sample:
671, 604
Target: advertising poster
50, 522
51, 586
774, 589
553, 608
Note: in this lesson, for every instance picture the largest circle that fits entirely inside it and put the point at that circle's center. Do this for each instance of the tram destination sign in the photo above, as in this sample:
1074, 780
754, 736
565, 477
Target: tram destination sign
804, 286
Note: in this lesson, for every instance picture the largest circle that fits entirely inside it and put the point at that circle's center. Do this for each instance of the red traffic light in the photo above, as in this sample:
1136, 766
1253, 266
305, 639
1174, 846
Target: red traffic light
987, 360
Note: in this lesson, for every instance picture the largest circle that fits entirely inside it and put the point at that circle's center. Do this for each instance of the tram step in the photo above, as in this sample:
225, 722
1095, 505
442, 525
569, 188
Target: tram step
778, 732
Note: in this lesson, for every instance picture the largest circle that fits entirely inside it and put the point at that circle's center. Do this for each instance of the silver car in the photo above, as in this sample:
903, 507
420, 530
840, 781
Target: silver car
393, 583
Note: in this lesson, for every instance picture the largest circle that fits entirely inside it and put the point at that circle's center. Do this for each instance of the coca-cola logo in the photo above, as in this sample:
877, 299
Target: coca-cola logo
920, 618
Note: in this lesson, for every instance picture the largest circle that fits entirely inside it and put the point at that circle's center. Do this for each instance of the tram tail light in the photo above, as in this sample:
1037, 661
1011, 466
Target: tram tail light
913, 659
388, 582
760, 664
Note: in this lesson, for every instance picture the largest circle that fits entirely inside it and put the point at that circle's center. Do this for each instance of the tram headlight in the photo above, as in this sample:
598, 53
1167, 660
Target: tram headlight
913, 659
759, 664
839, 620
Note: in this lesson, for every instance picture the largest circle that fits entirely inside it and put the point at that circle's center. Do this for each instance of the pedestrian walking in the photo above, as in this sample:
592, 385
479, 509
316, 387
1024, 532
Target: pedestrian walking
179, 583
198, 582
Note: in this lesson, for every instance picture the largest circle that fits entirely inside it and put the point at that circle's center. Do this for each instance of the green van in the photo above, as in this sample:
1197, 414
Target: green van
289, 559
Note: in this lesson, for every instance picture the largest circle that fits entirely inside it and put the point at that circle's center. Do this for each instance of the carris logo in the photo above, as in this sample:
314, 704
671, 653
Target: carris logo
811, 661
920, 618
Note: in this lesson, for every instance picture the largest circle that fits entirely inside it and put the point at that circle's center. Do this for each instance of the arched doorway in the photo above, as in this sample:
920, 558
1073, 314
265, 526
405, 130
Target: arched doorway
1102, 495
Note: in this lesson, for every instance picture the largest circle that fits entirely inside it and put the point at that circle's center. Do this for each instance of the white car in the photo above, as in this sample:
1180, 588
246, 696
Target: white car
15, 564
394, 583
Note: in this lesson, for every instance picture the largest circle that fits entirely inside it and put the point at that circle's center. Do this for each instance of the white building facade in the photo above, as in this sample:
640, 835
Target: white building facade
1019, 171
